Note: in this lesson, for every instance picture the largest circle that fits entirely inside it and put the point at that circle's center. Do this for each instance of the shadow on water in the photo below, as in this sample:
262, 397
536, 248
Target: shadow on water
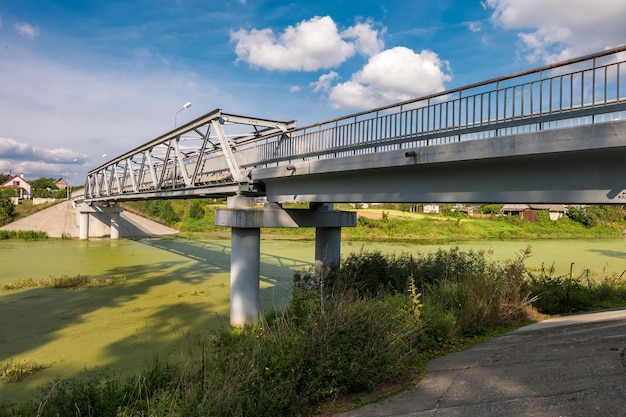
610, 253
173, 293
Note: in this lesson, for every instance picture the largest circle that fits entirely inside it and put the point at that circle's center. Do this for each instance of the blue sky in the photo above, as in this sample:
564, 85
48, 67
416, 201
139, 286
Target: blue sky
80, 79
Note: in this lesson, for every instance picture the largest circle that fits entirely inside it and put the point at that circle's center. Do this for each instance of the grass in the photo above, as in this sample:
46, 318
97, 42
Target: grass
22, 235
64, 282
373, 322
16, 370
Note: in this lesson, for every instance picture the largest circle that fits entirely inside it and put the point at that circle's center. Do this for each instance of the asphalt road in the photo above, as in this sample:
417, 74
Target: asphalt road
568, 366
63, 219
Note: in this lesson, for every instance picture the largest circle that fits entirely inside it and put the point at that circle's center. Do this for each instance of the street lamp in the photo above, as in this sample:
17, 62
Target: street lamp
67, 186
185, 106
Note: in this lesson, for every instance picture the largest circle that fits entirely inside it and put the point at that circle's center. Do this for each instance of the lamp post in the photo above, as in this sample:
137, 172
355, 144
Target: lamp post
67, 186
185, 106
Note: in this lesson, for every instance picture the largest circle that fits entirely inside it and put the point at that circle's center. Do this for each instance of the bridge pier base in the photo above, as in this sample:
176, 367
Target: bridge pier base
106, 212
246, 222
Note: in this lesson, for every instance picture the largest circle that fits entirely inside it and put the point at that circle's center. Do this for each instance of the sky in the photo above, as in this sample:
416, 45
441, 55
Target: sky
84, 81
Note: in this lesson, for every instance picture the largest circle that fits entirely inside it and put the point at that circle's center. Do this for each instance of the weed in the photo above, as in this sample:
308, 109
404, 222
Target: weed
23, 234
14, 370
64, 281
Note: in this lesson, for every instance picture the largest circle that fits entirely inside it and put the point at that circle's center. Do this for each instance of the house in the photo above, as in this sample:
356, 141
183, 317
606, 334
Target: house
530, 211
431, 208
23, 187
61, 184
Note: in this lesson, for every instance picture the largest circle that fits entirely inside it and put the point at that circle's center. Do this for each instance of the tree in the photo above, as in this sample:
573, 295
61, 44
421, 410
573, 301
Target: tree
44, 187
7, 208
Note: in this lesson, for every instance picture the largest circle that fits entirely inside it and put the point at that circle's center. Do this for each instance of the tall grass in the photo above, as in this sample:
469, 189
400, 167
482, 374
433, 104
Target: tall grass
371, 321
23, 234
64, 281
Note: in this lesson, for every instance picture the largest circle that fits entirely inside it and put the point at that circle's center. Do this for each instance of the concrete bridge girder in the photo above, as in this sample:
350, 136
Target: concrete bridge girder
246, 222
576, 165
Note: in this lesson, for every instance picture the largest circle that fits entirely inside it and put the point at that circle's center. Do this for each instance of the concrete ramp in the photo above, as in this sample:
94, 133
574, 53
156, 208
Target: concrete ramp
62, 219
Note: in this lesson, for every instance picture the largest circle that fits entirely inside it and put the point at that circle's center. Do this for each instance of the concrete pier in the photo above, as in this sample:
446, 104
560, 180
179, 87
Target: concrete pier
246, 222
87, 211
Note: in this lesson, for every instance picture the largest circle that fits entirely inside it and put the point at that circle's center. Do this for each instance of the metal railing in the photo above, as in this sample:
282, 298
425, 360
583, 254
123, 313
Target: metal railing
581, 91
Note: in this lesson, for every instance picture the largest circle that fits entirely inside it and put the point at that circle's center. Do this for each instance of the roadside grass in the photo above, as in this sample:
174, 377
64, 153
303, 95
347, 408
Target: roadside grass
374, 321
64, 281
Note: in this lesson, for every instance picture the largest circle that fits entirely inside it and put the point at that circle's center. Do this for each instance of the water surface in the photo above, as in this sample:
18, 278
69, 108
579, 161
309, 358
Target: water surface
176, 290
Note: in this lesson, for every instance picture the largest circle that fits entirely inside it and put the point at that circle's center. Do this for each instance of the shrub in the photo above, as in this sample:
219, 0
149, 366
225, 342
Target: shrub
581, 215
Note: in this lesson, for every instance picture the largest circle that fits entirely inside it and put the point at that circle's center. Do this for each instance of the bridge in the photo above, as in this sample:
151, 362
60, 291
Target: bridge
554, 134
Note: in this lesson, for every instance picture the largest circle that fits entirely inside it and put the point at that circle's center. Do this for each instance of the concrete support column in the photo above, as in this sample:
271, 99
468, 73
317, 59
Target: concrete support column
327, 248
245, 260
115, 225
246, 222
83, 231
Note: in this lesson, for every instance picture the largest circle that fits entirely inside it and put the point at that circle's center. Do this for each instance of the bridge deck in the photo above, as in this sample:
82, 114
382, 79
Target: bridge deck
222, 154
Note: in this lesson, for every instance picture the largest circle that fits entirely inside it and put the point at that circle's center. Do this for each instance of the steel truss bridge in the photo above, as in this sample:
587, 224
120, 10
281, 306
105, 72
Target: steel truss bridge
546, 125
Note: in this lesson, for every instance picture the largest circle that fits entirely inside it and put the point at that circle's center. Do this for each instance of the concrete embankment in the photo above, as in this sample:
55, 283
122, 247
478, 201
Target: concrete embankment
63, 219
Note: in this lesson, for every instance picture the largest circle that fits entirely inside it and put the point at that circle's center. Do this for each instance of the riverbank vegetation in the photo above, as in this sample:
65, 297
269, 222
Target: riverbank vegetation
394, 222
373, 322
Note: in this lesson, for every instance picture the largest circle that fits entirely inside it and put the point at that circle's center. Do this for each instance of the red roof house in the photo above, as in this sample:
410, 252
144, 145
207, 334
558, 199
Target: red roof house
23, 187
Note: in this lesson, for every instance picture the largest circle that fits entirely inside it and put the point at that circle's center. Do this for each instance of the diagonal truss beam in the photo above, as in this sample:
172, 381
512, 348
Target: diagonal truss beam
197, 154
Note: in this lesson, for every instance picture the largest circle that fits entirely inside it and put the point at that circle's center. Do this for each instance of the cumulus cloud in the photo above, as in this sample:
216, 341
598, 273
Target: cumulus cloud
27, 30
324, 82
12, 149
393, 75
554, 30
366, 40
308, 46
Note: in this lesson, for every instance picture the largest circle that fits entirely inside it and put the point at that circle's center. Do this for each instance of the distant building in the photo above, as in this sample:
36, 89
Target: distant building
23, 187
61, 184
431, 208
530, 211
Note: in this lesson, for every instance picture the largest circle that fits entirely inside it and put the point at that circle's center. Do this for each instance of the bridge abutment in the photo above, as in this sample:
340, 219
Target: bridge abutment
246, 222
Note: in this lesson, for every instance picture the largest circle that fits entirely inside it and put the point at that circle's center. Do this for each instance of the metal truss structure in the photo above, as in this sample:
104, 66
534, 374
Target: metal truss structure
196, 159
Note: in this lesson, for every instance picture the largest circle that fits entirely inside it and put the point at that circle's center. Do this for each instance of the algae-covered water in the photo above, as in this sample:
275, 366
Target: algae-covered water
174, 291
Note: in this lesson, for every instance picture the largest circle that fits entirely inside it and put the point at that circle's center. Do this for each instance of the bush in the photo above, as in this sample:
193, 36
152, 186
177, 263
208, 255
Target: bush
574, 293
581, 215
196, 209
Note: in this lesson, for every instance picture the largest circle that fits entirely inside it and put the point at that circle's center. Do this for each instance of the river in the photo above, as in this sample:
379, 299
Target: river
175, 290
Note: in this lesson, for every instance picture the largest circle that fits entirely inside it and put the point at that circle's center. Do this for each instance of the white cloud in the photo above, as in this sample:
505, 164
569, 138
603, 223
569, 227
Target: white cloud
367, 40
474, 26
554, 30
308, 46
27, 30
12, 149
324, 82
34, 160
295, 89
393, 75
